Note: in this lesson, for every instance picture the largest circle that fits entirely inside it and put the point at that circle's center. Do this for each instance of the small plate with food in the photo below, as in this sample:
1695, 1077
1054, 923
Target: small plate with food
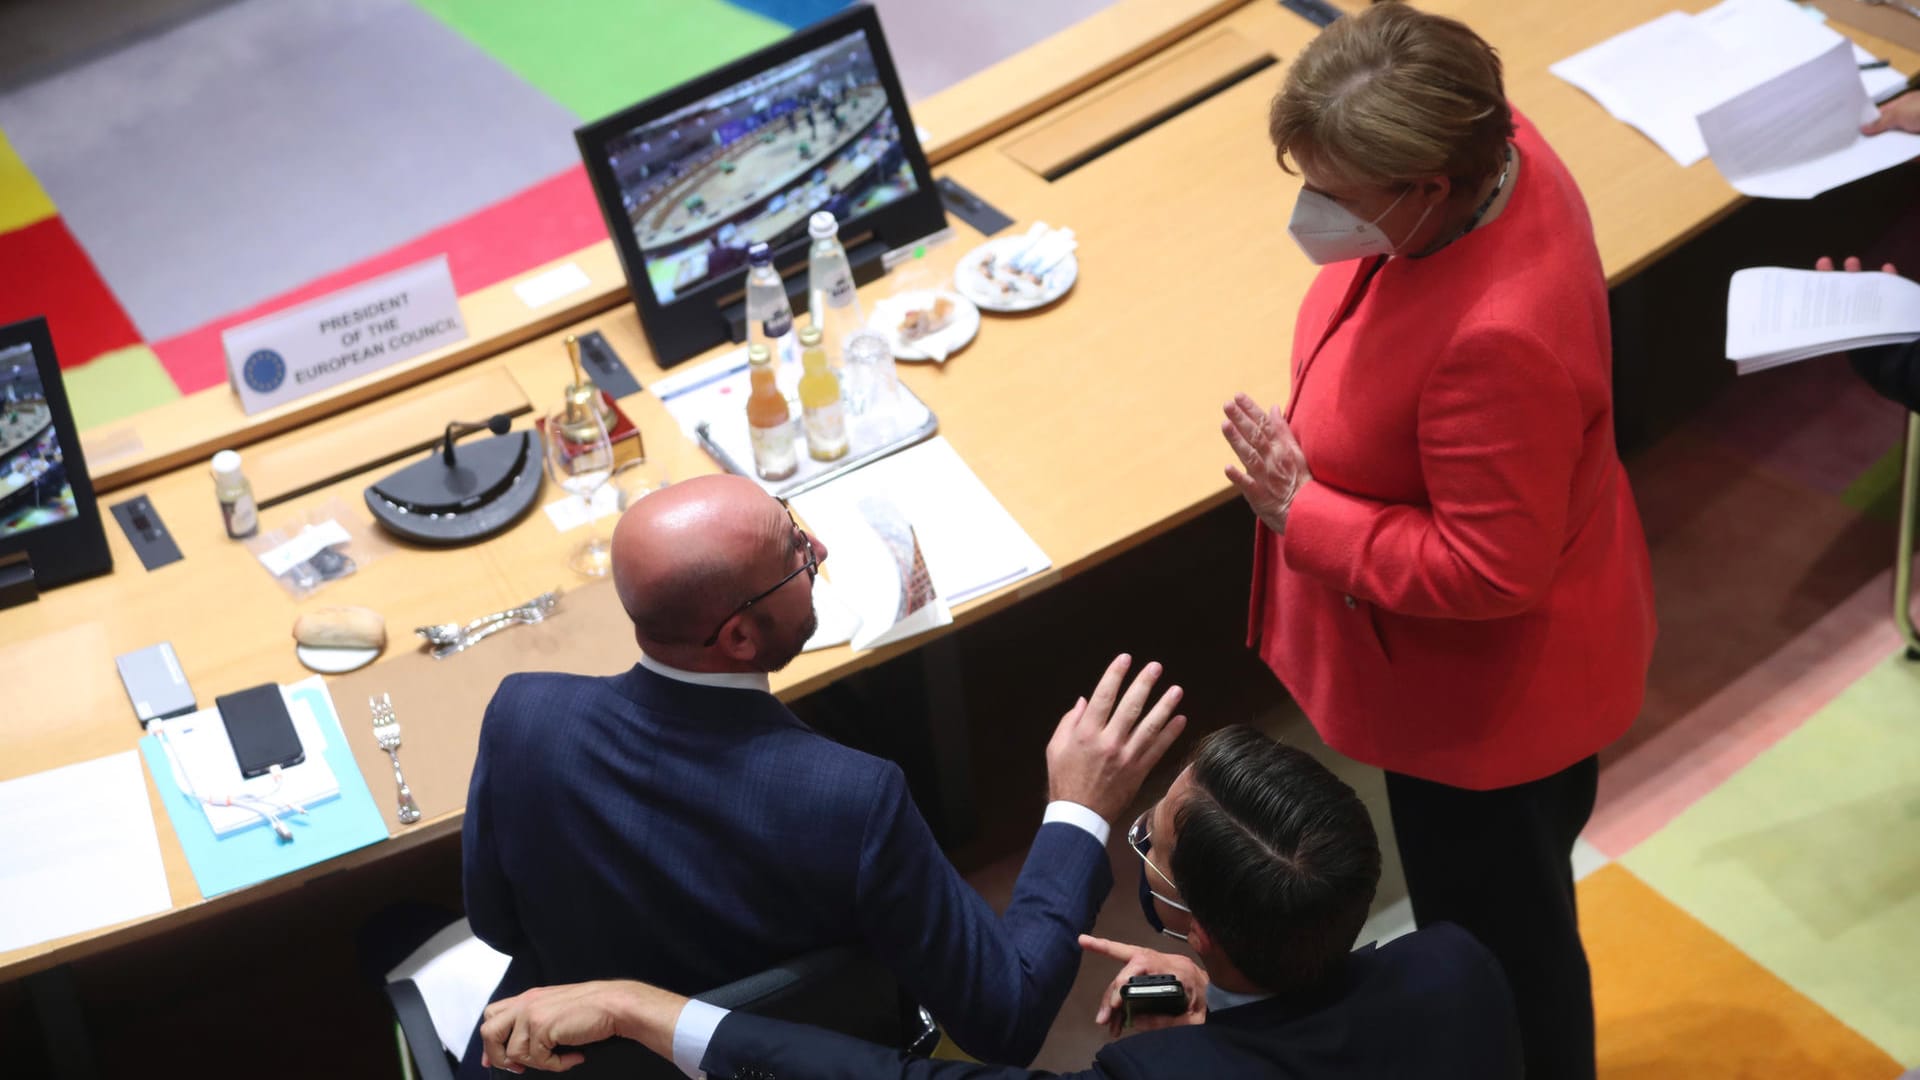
1019, 273
926, 324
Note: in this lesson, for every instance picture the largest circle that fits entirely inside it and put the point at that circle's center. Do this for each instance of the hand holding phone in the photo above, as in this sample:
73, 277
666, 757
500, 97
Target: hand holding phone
1167, 989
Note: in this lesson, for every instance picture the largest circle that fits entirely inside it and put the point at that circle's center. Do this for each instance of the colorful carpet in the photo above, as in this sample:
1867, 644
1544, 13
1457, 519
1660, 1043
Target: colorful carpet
145, 205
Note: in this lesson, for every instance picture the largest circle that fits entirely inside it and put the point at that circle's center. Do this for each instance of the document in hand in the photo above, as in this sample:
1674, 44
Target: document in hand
1777, 316
1661, 75
1798, 134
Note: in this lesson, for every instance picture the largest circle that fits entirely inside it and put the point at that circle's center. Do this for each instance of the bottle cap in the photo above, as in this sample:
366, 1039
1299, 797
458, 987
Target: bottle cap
822, 225
225, 462
759, 355
809, 336
759, 254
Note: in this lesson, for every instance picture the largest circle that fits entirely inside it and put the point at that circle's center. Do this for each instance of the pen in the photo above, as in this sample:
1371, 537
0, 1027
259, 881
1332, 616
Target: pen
726, 460
1876, 65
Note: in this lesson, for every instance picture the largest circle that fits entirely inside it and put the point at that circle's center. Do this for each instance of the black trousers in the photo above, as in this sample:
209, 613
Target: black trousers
1499, 864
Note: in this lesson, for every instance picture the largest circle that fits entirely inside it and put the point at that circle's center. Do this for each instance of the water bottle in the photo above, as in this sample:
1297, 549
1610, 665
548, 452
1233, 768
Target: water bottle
769, 316
832, 303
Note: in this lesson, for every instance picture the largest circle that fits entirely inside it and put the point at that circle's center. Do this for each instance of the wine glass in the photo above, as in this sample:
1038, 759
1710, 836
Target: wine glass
580, 460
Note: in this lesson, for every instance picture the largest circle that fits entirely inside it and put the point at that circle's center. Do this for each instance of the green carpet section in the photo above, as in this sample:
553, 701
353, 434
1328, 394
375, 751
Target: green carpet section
597, 56
117, 384
1808, 859
1877, 491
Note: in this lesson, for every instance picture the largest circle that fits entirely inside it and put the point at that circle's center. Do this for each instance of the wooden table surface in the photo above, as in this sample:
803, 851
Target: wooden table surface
1094, 422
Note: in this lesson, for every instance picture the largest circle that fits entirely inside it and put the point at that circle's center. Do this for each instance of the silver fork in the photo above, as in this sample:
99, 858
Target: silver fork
386, 728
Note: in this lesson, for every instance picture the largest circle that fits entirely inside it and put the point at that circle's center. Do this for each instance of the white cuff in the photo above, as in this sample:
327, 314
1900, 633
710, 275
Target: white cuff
1072, 813
691, 1034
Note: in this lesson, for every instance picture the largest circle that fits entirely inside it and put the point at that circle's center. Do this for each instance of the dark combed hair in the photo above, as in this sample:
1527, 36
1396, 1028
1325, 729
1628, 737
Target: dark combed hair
1276, 857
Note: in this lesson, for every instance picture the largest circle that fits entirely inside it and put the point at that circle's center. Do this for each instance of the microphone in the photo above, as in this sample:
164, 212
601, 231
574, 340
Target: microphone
498, 423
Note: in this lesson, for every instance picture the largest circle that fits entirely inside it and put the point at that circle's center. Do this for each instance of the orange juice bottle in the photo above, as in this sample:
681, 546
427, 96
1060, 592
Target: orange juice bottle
769, 420
820, 405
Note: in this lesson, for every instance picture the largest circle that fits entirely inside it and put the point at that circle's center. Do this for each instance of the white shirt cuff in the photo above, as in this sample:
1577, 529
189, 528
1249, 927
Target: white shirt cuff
691, 1034
1072, 813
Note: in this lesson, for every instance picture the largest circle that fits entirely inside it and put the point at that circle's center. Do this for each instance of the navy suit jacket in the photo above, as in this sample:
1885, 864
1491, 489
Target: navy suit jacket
640, 827
1432, 1005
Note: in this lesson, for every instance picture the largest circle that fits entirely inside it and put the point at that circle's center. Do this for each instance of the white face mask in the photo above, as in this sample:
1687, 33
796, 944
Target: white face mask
1330, 233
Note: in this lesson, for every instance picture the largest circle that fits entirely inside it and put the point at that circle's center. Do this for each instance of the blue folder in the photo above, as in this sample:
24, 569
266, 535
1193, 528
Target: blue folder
332, 828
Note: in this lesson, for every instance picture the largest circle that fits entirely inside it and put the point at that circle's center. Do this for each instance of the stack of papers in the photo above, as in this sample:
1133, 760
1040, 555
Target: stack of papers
1798, 134
1662, 75
81, 851
1777, 316
911, 534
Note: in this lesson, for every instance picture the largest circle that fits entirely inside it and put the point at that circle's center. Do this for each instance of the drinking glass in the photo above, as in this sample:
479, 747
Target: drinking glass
634, 480
581, 463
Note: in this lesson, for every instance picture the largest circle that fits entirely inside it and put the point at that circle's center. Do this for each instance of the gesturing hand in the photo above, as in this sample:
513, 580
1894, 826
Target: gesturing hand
1139, 961
1099, 754
1275, 465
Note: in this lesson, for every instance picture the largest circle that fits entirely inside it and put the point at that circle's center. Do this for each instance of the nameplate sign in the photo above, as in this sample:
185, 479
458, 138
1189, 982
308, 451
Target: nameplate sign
345, 335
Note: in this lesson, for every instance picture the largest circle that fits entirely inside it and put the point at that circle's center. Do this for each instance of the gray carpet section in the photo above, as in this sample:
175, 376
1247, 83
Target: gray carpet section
935, 45
270, 142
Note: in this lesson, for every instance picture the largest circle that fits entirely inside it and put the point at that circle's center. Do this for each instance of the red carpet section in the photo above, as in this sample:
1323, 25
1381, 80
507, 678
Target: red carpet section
545, 222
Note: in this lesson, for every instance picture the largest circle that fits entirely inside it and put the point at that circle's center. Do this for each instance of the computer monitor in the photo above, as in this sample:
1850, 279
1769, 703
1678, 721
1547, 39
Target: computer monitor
46, 502
692, 178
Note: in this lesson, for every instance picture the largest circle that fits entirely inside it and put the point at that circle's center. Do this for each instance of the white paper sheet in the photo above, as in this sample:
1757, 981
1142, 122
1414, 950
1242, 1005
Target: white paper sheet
1662, 74
838, 621
456, 973
970, 544
1798, 134
80, 851
571, 511
715, 392
1777, 316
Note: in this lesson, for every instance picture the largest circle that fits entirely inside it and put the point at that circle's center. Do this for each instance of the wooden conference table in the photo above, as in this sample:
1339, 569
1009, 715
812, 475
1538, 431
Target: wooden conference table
1095, 423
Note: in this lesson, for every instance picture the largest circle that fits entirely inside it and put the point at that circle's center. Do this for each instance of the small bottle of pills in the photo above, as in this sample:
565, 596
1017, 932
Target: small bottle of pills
235, 494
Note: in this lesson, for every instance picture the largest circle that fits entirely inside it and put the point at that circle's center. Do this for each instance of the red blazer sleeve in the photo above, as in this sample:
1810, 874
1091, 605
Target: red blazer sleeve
1499, 437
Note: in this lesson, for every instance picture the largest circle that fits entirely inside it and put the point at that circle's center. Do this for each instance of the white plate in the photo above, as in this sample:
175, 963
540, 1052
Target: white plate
959, 331
975, 285
334, 661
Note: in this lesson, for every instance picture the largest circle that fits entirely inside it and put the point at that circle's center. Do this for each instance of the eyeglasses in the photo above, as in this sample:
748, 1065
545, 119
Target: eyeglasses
1140, 839
810, 564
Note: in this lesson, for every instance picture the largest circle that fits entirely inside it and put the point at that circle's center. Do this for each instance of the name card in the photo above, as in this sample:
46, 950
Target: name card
328, 341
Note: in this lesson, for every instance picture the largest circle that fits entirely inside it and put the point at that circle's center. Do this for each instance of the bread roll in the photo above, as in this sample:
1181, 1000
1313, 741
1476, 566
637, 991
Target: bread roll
341, 628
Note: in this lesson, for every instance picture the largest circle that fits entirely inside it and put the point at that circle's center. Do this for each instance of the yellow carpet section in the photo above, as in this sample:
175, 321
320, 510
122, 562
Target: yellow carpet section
1674, 999
117, 384
1808, 860
22, 201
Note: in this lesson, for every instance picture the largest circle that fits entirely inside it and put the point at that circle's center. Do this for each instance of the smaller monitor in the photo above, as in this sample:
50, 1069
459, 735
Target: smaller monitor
46, 502
692, 178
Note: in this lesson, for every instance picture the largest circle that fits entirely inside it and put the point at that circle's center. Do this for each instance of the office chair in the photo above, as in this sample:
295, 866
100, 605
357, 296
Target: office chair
841, 989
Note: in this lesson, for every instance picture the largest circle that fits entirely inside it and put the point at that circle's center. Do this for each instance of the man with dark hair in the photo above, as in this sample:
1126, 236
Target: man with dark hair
1265, 865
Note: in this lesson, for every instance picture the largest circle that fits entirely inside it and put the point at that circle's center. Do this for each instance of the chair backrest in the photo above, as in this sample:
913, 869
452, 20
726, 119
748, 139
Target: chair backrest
840, 989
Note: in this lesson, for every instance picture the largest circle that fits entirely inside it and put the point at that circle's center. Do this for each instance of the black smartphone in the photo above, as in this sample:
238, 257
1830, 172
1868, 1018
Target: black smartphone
1153, 995
260, 729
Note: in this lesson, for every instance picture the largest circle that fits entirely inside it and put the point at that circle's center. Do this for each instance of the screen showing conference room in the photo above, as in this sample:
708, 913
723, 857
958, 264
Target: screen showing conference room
34, 489
751, 163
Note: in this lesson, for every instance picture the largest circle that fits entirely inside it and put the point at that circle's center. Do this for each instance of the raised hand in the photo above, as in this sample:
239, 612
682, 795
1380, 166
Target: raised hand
1104, 747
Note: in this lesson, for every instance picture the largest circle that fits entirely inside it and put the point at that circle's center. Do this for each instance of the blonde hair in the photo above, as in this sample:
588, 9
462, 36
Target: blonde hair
1394, 95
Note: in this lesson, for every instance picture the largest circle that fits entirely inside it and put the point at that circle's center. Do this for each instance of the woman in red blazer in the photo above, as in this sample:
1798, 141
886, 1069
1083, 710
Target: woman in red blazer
1450, 575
